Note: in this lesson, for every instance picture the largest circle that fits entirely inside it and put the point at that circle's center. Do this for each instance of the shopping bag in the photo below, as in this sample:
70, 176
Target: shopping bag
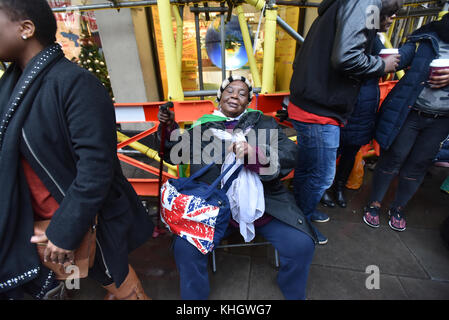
196, 211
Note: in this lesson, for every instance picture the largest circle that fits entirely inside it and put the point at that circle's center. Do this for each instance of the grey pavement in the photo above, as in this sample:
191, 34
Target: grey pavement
412, 265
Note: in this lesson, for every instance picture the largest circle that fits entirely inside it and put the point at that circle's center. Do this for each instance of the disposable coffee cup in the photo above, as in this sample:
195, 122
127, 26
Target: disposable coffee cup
438, 64
388, 52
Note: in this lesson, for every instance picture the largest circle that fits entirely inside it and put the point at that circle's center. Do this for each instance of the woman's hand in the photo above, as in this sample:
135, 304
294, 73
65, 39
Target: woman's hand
166, 117
391, 63
53, 253
241, 149
441, 80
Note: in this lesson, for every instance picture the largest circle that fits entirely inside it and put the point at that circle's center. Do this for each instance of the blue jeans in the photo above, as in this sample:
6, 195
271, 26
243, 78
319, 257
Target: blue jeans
316, 159
295, 256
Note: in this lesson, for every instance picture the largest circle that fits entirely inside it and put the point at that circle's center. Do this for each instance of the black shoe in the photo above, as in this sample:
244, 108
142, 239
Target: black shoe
339, 195
327, 201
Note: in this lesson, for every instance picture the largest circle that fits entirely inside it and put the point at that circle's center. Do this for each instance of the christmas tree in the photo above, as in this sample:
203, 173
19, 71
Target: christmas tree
92, 59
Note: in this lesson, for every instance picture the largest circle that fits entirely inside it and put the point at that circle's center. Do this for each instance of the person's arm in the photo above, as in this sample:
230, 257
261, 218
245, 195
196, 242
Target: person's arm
91, 125
348, 54
407, 52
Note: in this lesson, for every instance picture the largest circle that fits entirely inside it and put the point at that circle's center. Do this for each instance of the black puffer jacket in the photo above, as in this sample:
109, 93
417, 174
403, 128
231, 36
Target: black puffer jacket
332, 62
279, 202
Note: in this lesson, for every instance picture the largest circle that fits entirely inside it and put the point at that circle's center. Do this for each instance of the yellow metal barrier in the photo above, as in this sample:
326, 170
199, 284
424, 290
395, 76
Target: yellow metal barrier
150, 153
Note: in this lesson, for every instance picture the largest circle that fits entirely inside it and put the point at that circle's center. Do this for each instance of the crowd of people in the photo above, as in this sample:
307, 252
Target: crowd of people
58, 149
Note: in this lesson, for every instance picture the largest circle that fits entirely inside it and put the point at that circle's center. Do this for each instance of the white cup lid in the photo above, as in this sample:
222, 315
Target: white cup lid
440, 63
389, 51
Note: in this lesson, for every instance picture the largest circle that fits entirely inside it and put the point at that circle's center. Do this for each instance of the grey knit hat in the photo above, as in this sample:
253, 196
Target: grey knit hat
227, 81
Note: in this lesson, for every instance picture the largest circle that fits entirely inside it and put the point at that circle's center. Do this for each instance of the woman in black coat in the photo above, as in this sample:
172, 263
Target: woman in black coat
58, 161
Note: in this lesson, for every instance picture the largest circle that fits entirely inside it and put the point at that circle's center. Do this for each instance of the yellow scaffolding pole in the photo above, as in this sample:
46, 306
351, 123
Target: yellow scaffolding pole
441, 14
179, 36
175, 91
150, 153
269, 50
248, 46
258, 4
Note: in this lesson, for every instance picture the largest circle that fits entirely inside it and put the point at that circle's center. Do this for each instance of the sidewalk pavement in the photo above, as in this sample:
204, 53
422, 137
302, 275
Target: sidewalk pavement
413, 264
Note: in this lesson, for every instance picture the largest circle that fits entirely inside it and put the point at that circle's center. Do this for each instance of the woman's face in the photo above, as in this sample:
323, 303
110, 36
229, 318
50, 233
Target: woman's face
386, 22
234, 99
11, 43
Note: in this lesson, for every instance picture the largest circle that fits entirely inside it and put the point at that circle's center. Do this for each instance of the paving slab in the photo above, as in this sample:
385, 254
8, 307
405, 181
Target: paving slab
232, 278
328, 283
356, 246
418, 289
428, 248
263, 280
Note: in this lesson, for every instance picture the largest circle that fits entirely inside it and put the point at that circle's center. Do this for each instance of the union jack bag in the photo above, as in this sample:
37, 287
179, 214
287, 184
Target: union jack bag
196, 211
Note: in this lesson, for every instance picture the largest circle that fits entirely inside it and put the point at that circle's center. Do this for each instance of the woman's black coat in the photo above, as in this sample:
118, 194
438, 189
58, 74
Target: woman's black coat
69, 138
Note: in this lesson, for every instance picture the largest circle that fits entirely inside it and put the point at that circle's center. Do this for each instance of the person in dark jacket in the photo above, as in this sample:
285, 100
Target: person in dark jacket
58, 161
278, 219
328, 71
413, 121
359, 129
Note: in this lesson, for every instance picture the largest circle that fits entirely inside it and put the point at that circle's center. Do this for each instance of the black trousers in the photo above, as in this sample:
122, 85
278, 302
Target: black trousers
346, 162
410, 156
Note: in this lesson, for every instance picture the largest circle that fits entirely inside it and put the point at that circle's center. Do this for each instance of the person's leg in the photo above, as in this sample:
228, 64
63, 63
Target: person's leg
192, 268
345, 165
388, 166
295, 254
415, 167
315, 169
130, 289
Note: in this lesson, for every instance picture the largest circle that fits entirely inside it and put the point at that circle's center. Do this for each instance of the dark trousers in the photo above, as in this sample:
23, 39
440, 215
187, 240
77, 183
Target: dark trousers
410, 156
295, 254
346, 162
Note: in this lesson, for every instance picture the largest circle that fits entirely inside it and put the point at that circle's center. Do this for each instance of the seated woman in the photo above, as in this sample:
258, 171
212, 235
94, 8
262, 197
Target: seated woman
277, 218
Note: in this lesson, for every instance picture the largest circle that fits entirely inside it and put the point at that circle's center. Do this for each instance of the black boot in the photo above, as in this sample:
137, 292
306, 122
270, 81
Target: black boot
326, 200
339, 194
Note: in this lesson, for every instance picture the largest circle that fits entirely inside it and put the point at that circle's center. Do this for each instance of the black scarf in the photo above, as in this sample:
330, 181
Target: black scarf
19, 262
441, 28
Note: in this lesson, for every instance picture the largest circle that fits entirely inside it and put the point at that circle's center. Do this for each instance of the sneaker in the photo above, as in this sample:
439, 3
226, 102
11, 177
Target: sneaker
318, 216
397, 219
371, 216
320, 237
